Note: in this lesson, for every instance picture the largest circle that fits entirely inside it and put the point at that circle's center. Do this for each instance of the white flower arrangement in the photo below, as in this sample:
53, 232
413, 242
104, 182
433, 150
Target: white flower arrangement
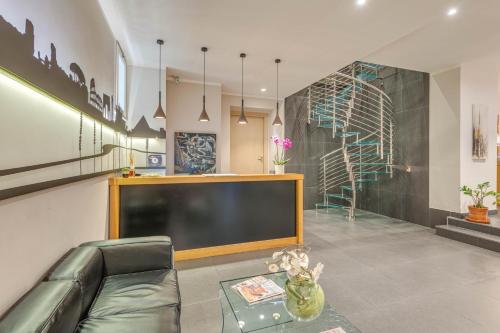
296, 263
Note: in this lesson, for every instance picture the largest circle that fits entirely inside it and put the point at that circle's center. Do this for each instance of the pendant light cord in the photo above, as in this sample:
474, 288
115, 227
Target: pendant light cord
242, 58
159, 72
204, 54
277, 83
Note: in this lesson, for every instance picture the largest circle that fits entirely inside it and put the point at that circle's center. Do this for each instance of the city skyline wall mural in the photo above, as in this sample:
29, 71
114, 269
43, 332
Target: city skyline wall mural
55, 126
195, 153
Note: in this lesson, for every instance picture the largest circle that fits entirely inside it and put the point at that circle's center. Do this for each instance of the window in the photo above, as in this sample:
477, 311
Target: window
121, 83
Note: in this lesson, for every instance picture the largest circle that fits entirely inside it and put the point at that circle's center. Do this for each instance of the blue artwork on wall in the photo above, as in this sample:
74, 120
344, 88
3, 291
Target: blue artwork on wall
194, 153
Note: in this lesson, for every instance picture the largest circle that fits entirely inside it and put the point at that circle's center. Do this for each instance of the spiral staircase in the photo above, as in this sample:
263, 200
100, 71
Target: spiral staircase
352, 103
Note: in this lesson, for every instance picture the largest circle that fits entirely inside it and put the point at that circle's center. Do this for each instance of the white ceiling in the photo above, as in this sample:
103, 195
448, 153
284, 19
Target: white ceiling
314, 38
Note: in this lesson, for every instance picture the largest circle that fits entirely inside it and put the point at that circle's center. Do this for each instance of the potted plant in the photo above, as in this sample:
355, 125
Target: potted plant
304, 297
478, 212
282, 146
125, 172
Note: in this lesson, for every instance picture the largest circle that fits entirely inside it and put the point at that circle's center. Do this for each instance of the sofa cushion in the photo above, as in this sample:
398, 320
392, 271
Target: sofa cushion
136, 291
84, 265
163, 319
51, 307
140, 254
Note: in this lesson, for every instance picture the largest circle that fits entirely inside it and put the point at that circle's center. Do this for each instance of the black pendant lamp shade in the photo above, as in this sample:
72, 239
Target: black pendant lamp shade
159, 113
242, 119
204, 115
277, 121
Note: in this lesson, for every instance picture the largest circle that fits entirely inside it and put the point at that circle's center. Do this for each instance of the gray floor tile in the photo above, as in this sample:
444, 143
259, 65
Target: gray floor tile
384, 274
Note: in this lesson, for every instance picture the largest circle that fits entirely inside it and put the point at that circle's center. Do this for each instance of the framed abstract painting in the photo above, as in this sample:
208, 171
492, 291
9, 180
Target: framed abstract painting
195, 153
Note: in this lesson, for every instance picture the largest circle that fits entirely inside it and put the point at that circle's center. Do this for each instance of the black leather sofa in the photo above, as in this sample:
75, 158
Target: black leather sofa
126, 285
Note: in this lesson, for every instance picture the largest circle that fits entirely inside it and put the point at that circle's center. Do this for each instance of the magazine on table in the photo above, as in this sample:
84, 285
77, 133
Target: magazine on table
258, 289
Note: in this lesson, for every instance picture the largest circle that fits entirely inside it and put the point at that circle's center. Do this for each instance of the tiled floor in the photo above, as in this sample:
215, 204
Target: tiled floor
384, 275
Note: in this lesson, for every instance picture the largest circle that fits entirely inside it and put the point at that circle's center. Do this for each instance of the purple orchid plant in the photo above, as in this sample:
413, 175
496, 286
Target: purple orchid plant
282, 146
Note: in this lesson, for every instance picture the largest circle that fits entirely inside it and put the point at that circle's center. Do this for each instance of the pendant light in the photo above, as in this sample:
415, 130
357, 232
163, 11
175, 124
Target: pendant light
277, 121
204, 115
242, 119
159, 114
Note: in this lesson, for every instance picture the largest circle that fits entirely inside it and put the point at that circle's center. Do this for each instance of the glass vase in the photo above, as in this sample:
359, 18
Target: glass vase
304, 299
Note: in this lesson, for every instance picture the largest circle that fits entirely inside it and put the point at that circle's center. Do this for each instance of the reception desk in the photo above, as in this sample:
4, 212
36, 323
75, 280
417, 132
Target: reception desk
209, 215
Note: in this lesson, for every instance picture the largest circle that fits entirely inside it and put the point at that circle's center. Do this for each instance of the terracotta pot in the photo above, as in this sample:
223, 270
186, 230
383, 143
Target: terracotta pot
478, 215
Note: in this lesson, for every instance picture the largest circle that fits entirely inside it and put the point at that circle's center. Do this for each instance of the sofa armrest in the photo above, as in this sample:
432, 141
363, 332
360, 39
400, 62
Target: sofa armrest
130, 255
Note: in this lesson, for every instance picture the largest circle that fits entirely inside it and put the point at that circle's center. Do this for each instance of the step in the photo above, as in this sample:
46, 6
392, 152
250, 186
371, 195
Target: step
323, 205
370, 164
372, 66
368, 154
492, 229
367, 76
346, 134
347, 188
370, 172
365, 180
325, 124
468, 236
363, 143
339, 196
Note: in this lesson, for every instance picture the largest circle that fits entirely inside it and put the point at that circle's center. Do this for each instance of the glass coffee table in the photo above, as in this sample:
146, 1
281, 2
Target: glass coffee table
271, 316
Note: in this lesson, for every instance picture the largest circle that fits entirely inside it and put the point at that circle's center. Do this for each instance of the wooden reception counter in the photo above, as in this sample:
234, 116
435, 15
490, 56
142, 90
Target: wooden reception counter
209, 215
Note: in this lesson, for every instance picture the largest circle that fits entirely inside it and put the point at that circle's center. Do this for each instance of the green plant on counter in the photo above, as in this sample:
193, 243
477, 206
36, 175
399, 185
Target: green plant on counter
125, 170
481, 192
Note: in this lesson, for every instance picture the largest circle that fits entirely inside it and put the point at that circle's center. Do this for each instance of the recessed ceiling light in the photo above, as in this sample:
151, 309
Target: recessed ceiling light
360, 2
452, 11
263, 89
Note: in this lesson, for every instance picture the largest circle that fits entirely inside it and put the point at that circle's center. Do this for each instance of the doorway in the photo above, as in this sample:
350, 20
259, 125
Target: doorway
248, 152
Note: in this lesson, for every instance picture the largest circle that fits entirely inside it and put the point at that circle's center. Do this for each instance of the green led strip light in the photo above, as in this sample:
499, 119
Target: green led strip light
32, 86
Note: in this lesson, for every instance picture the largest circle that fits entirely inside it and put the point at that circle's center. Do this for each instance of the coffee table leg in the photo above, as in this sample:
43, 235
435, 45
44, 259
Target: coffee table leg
229, 322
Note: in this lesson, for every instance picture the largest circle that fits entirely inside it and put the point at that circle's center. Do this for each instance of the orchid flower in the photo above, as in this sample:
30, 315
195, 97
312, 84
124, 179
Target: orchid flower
285, 144
276, 139
296, 263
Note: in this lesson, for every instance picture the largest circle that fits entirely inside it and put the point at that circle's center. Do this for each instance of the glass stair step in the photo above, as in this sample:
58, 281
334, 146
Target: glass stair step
346, 134
370, 164
372, 66
339, 196
347, 188
370, 172
323, 205
364, 76
368, 154
330, 125
363, 143
365, 180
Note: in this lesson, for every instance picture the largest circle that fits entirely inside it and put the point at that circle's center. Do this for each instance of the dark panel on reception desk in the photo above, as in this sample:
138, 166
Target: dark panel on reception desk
198, 215
209, 215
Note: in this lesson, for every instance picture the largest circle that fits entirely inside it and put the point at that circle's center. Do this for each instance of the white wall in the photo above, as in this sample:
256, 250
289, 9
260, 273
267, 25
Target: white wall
452, 94
478, 85
184, 105
264, 105
38, 228
143, 95
444, 137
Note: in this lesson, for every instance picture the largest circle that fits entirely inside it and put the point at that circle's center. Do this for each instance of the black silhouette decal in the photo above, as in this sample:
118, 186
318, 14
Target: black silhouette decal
17, 56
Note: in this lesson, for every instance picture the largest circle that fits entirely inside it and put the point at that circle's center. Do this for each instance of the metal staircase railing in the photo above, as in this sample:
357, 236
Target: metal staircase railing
353, 104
